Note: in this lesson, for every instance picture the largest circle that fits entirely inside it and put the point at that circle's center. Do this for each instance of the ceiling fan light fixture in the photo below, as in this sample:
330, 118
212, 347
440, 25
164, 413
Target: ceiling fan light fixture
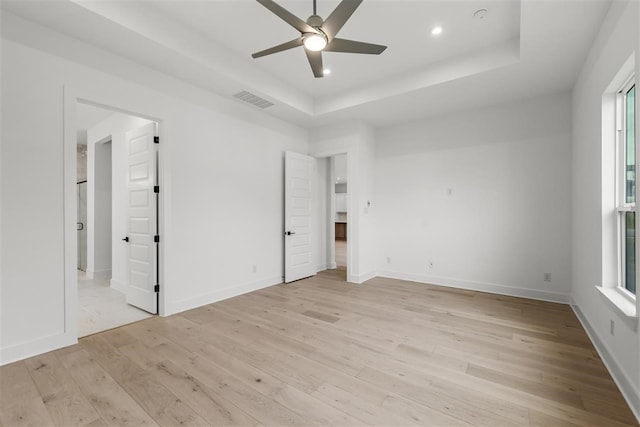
315, 42
318, 35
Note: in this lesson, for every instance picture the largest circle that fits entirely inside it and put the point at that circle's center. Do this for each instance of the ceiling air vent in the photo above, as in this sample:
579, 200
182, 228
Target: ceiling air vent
253, 99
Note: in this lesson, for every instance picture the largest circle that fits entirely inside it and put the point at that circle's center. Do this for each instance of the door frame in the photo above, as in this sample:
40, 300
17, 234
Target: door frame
331, 242
116, 103
331, 212
91, 231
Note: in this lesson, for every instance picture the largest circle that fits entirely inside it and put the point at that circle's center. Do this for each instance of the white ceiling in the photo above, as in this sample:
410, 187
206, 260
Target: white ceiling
88, 116
522, 48
411, 49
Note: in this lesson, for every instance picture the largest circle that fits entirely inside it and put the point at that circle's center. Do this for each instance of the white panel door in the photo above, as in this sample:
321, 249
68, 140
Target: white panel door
298, 217
142, 218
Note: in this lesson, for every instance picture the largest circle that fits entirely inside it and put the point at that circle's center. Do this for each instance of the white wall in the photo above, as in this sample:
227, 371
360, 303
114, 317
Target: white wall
357, 141
364, 206
99, 196
484, 195
115, 128
617, 40
222, 200
340, 166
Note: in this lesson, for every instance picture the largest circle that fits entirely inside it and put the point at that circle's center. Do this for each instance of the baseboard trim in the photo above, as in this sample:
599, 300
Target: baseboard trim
361, 278
332, 266
322, 267
99, 275
118, 286
491, 288
629, 392
35, 347
219, 295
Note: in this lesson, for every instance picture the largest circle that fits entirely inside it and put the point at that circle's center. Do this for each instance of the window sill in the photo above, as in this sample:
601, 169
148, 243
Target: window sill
621, 302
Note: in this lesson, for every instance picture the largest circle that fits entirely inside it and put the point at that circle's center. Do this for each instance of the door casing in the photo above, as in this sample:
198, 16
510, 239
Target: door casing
102, 98
351, 244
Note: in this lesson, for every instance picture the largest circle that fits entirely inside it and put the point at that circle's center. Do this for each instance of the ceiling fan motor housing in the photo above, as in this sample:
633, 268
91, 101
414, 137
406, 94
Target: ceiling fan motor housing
315, 21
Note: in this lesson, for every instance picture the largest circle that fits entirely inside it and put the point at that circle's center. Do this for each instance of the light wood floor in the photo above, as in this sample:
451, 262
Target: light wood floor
323, 352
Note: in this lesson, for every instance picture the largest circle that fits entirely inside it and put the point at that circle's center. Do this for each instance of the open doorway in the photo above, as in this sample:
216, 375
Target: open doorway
337, 218
341, 224
105, 175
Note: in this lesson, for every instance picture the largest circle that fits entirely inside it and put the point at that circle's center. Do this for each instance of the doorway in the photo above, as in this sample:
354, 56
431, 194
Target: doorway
339, 184
103, 284
336, 222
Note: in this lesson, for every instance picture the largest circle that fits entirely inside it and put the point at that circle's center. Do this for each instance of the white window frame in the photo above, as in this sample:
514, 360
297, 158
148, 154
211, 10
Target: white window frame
621, 206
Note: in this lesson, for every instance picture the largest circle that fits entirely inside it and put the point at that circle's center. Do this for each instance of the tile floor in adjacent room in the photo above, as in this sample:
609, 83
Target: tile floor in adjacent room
101, 308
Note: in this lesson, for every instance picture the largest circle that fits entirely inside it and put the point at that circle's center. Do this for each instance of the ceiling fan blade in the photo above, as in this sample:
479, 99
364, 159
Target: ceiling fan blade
351, 46
315, 60
284, 46
287, 16
339, 16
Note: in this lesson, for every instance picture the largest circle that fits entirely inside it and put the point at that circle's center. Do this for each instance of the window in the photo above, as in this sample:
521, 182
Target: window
626, 179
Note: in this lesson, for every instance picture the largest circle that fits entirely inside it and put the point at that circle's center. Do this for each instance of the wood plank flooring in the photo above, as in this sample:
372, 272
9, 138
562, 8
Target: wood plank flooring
324, 352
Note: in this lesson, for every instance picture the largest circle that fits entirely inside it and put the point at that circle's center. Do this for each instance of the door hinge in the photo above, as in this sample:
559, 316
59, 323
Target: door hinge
156, 140
156, 288
156, 188
156, 238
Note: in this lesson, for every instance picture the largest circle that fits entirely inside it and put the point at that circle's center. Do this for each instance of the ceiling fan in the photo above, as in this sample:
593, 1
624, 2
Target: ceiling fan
317, 35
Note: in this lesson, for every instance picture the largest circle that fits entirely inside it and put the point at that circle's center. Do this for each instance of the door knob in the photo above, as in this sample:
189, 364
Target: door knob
289, 233
126, 239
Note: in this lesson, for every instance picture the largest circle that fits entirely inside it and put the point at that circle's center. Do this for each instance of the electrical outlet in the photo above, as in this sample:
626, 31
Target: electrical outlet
430, 264
388, 260
547, 277
612, 327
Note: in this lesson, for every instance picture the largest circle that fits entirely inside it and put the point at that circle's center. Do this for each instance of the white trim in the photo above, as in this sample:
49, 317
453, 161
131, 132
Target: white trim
621, 302
352, 245
174, 307
628, 390
331, 212
628, 84
70, 212
38, 346
322, 267
113, 101
491, 288
361, 278
622, 206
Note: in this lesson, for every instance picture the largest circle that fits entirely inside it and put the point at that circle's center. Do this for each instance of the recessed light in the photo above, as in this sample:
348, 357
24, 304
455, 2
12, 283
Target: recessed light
326, 71
436, 31
338, 179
